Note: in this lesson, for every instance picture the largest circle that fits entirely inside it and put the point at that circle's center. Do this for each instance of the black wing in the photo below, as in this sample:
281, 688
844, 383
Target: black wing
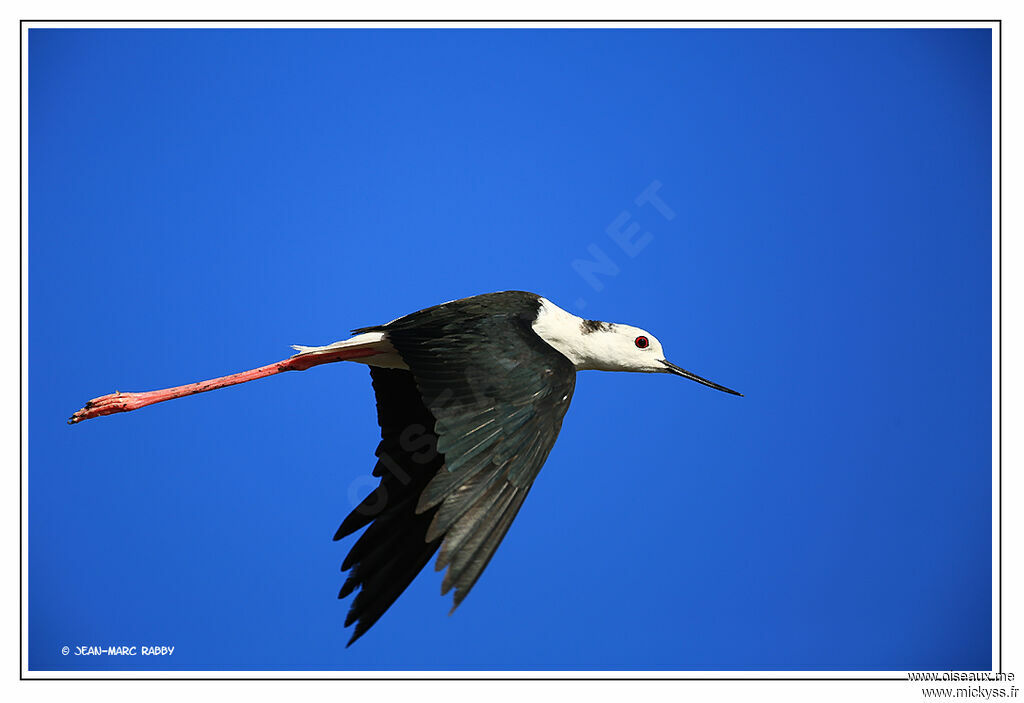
496, 393
386, 558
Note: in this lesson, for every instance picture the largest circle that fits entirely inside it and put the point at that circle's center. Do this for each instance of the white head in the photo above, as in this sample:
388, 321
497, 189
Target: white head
605, 346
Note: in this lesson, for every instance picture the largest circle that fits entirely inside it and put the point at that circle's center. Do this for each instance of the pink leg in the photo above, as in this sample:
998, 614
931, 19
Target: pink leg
123, 402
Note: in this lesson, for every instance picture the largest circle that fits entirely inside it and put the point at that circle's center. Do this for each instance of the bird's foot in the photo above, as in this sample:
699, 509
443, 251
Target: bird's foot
116, 402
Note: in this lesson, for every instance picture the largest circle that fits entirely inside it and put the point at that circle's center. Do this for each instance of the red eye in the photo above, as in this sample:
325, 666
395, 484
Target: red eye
642, 342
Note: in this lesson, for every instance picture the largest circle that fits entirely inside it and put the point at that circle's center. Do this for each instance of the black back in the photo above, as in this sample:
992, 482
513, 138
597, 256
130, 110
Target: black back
463, 434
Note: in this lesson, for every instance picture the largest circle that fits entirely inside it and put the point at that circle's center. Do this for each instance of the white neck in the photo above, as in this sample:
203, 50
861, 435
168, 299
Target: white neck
565, 332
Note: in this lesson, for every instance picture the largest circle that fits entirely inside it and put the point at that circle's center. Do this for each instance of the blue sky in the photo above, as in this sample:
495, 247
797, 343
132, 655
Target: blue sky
201, 199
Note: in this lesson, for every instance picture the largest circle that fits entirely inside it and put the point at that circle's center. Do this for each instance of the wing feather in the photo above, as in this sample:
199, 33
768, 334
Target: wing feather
494, 395
393, 549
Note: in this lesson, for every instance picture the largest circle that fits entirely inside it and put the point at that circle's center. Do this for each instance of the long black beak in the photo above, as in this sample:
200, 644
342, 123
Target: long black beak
672, 368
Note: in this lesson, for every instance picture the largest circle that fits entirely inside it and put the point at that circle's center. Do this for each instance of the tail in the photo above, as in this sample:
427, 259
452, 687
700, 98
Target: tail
362, 346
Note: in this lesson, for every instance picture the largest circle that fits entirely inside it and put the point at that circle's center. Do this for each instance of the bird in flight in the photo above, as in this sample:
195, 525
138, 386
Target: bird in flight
470, 399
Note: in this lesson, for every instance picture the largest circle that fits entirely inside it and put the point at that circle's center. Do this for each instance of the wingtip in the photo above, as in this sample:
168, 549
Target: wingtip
357, 633
457, 601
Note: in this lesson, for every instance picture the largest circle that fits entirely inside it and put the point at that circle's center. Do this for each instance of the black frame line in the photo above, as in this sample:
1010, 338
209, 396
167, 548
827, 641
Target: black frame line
20, 294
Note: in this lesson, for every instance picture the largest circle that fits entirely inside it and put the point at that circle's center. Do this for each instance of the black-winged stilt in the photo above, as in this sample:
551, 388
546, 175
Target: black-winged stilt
470, 398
